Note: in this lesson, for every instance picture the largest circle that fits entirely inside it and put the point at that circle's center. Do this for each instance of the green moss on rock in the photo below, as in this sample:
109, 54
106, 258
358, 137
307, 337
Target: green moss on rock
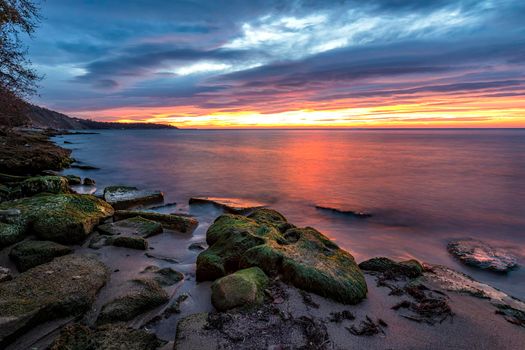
47, 184
409, 268
73, 179
11, 233
182, 223
132, 242
303, 256
133, 226
63, 218
143, 295
243, 288
29, 254
80, 337
67, 286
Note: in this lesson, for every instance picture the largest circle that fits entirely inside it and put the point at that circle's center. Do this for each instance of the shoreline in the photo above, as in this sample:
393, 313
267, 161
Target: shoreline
472, 324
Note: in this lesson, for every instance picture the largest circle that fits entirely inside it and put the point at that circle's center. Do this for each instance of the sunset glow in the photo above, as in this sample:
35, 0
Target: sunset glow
350, 64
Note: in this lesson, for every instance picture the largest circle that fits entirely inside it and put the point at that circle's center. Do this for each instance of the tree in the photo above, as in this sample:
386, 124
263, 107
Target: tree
17, 78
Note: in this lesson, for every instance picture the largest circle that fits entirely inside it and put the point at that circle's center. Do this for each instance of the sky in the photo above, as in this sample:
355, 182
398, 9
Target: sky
254, 63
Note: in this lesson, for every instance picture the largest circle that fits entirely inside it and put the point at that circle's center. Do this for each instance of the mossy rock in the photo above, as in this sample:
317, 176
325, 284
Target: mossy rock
409, 268
47, 184
67, 286
125, 197
143, 295
132, 242
165, 276
11, 233
62, 218
243, 288
303, 256
181, 223
73, 179
79, 337
133, 226
29, 254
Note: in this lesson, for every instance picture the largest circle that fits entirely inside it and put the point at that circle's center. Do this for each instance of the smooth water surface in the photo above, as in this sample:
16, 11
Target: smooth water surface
423, 187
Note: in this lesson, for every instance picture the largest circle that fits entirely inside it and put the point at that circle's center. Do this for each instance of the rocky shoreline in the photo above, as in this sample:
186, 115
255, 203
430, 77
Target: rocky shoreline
80, 271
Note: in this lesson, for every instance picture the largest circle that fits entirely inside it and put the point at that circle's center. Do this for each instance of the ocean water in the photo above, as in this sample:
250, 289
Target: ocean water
423, 187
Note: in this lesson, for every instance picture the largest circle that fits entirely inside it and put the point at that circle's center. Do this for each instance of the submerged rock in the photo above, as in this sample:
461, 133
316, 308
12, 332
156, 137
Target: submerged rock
64, 287
197, 246
182, 223
232, 205
354, 213
133, 226
409, 268
132, 242
164, 276
303, 256
240, 289
125, 197
62, 218
79, 337
5, 274
142, 295
479, 254
29, 254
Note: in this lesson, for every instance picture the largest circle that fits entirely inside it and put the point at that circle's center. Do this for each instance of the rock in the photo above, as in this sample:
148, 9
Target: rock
181, 223
89, 182
79, 337
303, 256
125, 197
73, 179
5, 274
141, 296
47, 184
354, 213
133, 226
240, 289
10, 216
409, 268
15, 158
197, 246
132, 242
29, 254
232, 205
512, 309
84, 167
164, 276
479, 254
62, 218
64, 287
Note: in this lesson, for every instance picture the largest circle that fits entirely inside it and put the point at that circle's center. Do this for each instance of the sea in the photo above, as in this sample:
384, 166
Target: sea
423, 187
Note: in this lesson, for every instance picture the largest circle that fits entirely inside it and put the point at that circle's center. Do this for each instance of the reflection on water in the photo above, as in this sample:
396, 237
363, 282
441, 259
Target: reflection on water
423, 187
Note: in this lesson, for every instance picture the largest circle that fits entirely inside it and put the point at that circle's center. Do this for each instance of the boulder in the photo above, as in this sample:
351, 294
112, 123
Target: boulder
62, 218
133, 226
89, 182
73, 179
240, 289
132, 242
47, 184
67, 286
79, 337
409, 268
125, 197
29, 254
181, 223
142, 295
479, 254
5, 274
303, 256
164, 276
232, 205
